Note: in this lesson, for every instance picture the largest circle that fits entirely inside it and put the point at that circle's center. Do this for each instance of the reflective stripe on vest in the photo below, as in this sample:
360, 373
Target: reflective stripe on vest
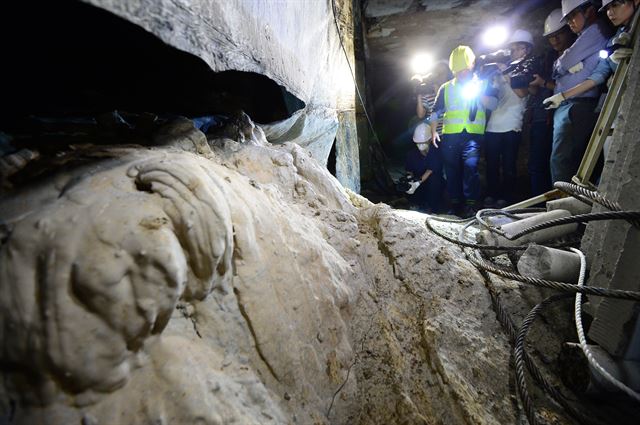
456, 116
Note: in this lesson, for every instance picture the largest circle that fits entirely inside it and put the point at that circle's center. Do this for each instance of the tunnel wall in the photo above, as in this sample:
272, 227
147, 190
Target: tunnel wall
613, 247
297, 46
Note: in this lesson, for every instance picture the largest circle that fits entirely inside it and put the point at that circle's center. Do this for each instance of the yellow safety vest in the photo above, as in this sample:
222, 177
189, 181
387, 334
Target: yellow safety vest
456, 116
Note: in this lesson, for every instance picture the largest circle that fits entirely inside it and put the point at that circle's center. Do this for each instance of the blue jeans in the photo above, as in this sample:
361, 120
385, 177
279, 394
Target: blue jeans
541, 139
460, 154
573, 123
502, 155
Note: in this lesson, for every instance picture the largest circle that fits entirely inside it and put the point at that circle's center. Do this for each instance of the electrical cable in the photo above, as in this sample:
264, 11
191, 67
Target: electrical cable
353, 77
583, 341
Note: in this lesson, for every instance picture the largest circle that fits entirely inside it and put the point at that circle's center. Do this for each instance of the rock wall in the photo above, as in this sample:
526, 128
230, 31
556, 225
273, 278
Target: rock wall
231, 281
297, 46
613, 246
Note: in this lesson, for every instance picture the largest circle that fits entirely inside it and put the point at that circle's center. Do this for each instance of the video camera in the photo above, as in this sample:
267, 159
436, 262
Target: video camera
487, 65
520, 71
422, 84
404, 183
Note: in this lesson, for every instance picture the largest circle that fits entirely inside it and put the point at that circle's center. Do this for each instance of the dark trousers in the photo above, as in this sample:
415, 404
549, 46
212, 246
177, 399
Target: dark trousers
573, 123
541, 140
502, 156
460, 154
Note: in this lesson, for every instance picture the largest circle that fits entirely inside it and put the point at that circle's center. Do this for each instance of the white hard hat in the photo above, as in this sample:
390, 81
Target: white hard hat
605, 3
553, 22
569, 6
422, 133
521, 36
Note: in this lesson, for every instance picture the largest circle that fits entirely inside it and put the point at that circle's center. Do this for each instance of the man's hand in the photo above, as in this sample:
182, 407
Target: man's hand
554, 101
414, 186
621, 53
576, 68
435, 138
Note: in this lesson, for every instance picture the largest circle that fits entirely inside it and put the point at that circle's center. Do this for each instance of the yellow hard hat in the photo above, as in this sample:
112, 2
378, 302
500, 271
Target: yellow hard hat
462, 57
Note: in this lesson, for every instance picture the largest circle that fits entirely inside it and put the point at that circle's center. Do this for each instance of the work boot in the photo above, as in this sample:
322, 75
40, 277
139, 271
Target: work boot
501, 203
456, 209
489, 202
469, 211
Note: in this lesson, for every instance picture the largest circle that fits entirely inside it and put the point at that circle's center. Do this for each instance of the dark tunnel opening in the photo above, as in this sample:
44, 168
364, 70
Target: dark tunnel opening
67, 58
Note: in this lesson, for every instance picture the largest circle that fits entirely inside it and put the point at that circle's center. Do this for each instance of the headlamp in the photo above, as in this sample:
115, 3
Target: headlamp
422, 63
495, 36
471, 90
606, 52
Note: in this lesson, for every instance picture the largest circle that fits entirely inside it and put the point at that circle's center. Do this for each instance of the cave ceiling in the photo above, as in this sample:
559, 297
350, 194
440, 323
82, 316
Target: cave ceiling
397, 29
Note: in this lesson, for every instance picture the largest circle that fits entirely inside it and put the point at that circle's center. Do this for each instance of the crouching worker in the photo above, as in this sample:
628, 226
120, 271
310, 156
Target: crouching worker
425, 165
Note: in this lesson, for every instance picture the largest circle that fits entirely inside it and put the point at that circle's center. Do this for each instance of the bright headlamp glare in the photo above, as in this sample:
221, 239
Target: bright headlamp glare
471, 90
608, 51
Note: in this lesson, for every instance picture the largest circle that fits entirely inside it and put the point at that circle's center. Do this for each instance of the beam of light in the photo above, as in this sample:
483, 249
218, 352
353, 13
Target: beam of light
604, 54
495, 36
471, 90
421, 63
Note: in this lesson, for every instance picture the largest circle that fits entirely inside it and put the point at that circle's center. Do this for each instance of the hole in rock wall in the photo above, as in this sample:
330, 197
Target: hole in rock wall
69, 59
331, 161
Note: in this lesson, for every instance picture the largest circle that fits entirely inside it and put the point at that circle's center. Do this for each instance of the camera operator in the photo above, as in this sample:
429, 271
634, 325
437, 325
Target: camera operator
504, 129
425, 167
426, 92
540, 120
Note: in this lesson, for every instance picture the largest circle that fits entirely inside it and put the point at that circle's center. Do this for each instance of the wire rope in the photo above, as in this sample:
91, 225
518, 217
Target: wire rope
583, 340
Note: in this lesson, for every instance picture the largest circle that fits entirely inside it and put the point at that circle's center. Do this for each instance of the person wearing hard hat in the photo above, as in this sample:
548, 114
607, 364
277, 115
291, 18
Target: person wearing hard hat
462, 103
540, 120
560, 38
425, 165
504, 129
620, 13
575, 118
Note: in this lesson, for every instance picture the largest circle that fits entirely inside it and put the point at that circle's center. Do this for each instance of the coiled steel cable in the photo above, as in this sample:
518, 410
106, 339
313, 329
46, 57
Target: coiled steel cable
518, 353
503, 317
577, 191
509, 327
581, 193
560, 286
489, 212
630, 216
536, 374
481, 246
583, 340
